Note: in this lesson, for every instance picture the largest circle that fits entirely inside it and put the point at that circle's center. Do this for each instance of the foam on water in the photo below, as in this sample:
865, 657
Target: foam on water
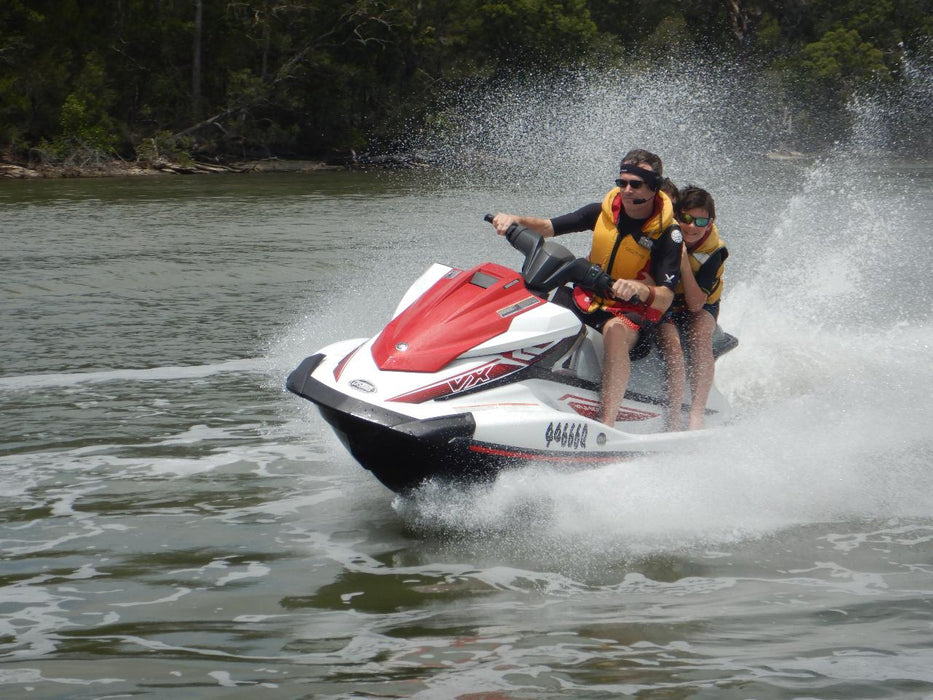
845, 439
29, 382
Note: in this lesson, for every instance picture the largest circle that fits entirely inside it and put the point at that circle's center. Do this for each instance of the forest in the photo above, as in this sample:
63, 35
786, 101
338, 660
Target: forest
338, 80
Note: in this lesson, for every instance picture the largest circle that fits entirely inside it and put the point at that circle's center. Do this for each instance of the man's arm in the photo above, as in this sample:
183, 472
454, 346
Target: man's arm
665, 268
583, 219
502, 222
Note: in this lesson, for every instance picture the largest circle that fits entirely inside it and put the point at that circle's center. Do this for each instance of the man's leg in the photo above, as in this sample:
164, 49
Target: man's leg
618, 339
673, 354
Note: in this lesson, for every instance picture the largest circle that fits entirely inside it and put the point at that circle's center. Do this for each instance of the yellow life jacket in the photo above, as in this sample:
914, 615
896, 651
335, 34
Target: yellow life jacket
624, 256
710, 246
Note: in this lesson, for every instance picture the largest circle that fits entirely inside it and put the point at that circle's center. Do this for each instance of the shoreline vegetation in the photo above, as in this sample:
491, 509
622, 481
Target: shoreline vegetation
121, 168
96, 88
98, 165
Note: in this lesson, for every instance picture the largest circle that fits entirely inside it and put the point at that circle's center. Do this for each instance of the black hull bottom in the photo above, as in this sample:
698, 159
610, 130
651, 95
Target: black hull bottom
400, 452
403, 453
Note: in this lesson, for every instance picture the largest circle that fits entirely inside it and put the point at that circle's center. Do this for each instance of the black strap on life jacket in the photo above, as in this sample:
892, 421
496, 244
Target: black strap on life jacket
706, 275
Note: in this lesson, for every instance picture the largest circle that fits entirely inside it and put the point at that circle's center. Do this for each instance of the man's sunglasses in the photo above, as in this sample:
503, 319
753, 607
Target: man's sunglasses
634, 184
700, 221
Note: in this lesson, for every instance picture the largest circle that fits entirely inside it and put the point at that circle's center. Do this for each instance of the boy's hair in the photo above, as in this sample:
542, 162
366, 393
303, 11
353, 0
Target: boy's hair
693, 197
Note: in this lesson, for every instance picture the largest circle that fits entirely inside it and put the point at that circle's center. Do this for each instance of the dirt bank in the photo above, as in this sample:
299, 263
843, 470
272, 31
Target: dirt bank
119, 168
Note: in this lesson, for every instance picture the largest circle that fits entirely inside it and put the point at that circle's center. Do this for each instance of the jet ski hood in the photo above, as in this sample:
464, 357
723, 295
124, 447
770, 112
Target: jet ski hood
461, 311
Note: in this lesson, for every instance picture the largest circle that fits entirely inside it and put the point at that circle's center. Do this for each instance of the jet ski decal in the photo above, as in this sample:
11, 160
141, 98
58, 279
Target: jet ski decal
338, 370
589, 408
571, 435
545, 456
520, 306
505, 364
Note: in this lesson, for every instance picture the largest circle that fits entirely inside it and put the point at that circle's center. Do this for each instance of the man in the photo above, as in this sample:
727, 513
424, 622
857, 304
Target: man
635, 240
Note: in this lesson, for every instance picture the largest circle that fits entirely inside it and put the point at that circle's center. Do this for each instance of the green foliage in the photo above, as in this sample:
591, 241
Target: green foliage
85, 119
313, 78
13, 105
869, 18
769, 40
163, 148
535, 32
839, 61
80, 124
671, 34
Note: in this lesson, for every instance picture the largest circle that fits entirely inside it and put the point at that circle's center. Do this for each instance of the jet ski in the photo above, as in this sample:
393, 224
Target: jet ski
480, 370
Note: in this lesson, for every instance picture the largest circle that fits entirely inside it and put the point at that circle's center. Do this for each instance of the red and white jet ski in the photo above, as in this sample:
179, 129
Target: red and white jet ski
478, 371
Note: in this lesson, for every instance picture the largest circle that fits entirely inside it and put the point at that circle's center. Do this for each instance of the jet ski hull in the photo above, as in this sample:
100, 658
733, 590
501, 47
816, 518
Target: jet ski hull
403, 452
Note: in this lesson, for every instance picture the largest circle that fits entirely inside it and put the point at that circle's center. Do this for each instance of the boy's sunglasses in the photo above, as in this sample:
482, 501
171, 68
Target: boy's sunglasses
634, 184
700, 221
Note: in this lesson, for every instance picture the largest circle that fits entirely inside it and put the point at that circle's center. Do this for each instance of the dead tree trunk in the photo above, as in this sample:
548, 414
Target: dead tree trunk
196, 60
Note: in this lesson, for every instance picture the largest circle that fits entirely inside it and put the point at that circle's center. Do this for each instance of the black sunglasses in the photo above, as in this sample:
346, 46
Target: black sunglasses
700, 221
634, 184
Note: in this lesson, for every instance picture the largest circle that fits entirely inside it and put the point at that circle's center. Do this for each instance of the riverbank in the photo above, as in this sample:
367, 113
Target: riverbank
120, 168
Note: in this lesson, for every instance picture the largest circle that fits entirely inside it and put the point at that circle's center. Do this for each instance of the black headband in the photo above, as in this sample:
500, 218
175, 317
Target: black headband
651, 178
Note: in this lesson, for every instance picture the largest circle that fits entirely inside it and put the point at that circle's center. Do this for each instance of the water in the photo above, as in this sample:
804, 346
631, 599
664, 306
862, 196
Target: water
167, 510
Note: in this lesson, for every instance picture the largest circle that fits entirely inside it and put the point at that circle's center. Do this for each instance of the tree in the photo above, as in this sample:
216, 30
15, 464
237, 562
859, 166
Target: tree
838, 62
524, 33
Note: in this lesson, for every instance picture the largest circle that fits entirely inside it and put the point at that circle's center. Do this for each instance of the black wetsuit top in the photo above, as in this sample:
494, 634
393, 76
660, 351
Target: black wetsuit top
665, 253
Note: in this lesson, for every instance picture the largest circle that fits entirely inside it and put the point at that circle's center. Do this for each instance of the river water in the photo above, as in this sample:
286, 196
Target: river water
168, 511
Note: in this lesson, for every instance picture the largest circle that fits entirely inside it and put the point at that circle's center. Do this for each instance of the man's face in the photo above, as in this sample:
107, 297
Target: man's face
633, 188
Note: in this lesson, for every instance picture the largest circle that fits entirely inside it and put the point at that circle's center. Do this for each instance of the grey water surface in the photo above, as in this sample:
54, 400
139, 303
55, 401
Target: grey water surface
173, 524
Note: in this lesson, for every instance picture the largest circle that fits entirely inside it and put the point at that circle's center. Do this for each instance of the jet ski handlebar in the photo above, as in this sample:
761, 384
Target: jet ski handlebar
549, 265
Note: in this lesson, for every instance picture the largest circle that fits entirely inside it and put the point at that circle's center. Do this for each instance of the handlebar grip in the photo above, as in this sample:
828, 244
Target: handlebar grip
602, 283
593, 277
512, 232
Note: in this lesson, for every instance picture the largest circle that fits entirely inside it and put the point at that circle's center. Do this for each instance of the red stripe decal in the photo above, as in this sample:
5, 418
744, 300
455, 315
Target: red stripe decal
467, 380
338, 370
590, 409
545, 457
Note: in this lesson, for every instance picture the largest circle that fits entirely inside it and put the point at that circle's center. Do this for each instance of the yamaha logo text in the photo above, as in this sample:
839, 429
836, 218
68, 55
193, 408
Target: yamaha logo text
363, 385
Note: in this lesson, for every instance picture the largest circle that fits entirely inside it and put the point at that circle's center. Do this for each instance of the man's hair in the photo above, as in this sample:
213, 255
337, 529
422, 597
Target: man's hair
693, 197
642, 156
